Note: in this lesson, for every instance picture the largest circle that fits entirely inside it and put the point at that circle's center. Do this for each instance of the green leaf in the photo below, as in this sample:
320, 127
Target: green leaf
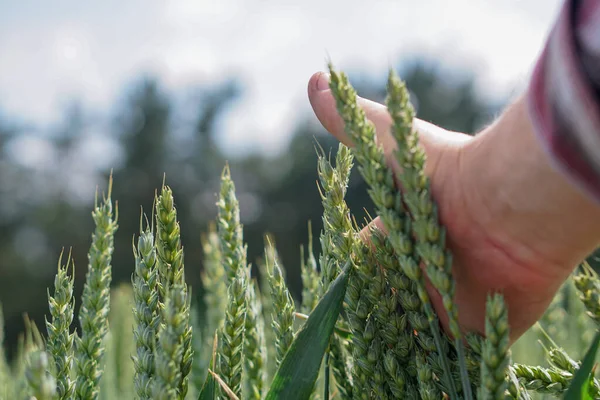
341, 332
586, 387
299, 369
209, 389
578, 387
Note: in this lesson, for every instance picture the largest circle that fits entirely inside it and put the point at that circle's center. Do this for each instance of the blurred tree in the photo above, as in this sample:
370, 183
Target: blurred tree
142, 127
155, 134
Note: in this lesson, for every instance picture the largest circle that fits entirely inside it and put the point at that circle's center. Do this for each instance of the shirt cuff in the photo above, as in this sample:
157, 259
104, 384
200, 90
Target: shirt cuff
562, 97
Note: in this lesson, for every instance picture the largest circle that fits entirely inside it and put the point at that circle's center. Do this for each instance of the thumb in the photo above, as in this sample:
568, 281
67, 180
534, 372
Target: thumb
324, 107
434, 139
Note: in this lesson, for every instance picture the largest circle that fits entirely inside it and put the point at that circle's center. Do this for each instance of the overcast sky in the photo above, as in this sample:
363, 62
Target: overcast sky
53, 51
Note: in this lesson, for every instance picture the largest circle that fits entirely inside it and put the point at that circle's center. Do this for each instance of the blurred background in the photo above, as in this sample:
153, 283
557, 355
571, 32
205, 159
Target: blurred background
181, 87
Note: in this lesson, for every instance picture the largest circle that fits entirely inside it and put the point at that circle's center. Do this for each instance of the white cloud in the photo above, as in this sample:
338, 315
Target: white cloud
275, 46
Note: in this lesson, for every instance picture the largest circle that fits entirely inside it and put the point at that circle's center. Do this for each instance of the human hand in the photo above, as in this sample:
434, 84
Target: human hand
514, 224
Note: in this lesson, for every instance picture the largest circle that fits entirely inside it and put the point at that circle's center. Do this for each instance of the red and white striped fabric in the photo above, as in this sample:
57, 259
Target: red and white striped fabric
564, 94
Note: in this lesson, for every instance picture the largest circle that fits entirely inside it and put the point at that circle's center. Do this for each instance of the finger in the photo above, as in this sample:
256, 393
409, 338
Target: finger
433, 138
366, 232
323, 104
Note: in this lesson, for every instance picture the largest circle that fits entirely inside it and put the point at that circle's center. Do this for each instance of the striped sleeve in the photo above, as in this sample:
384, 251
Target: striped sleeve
564, 94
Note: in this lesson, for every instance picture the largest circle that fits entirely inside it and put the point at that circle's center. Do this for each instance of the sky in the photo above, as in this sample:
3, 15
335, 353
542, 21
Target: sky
53, 52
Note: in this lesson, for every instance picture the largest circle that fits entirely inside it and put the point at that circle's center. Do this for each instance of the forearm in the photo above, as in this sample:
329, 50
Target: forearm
541, 159
528, 198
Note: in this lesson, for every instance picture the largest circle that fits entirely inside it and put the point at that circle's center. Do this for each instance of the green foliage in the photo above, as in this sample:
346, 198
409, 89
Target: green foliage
369, 313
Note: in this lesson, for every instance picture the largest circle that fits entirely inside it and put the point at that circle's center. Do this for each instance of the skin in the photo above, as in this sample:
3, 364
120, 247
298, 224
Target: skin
515, 223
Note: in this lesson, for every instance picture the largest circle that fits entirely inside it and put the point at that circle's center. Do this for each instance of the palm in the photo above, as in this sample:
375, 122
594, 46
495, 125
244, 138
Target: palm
485, 259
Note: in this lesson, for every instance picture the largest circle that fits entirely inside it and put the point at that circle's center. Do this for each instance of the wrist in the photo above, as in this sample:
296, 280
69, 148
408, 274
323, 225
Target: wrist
522, 201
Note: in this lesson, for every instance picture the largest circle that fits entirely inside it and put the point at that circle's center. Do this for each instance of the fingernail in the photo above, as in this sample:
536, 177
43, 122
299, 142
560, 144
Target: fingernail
323, 81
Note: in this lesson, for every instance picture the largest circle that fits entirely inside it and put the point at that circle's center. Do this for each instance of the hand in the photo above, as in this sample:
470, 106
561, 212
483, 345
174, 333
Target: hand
514, 223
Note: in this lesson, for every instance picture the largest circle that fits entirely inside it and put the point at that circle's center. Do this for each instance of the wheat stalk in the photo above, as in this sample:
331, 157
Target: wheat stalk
416, 194
41, 384
427, 388
145, 311
542, 380
495, 354
338, 233
387, 200
171, 275
311, 280
213, 281
230, 230
588, 284
283, 314
95, 302
169, 347
255, 348
231, 336
560, 360
60, 339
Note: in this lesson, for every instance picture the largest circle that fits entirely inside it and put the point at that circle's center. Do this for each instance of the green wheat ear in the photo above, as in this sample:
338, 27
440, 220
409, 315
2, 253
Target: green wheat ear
561, 361
213, 281
338, 238
231, 334
311, 279
39, 384
588, 284
42, 385
60, 339
146, 311
169, 348
388, 201
416, 194
542, 380
233, 252
339, 242
283, 313
95, 303
255, 348
120, 347
175, 337
495, 353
